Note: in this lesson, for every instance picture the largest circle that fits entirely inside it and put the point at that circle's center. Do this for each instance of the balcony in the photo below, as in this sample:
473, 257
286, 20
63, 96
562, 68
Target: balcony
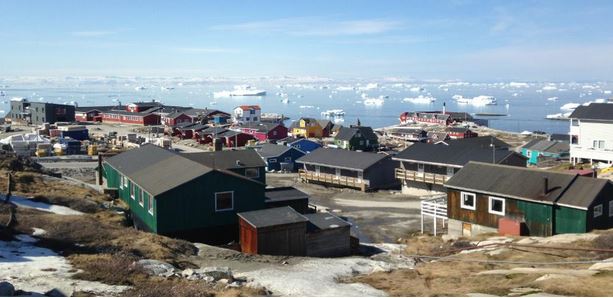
333, 179
403, 174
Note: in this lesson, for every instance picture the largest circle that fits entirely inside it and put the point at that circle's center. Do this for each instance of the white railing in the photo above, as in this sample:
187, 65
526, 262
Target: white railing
437, 209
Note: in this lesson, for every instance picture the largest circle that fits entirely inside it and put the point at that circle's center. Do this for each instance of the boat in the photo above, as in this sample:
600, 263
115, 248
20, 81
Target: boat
420, 99
333, 113
139, 88
241, 90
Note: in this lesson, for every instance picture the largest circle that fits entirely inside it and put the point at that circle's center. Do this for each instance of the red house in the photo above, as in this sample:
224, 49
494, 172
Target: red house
90, 114
206, 136
265, 131
235, 138
130, 118
175, 118
461, 133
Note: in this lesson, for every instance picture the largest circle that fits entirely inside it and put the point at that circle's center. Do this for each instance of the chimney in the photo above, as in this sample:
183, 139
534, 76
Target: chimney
444, 108
238, 162
545, 185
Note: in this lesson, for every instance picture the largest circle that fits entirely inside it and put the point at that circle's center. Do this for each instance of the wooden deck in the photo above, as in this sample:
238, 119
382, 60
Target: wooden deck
332, 179
403, 174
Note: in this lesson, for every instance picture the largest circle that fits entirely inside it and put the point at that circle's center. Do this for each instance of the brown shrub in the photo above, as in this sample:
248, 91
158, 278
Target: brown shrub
604, 241
117, 269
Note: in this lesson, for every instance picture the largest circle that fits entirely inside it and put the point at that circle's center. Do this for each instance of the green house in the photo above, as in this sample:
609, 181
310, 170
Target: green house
243, 162
171, 195
484, 198
361, 138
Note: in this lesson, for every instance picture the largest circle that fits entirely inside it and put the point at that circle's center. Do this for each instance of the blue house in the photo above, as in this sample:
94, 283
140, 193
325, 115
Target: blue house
537, 150
279, 157
305, 145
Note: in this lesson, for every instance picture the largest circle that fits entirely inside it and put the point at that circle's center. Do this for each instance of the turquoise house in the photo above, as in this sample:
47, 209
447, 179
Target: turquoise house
537, 150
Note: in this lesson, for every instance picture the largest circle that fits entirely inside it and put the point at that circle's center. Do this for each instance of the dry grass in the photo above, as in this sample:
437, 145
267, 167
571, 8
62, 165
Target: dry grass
458, 277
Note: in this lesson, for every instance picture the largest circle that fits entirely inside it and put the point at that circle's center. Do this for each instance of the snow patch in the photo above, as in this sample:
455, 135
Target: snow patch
61, 210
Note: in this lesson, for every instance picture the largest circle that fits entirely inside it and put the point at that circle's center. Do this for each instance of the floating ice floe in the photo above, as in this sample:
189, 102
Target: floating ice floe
420, 99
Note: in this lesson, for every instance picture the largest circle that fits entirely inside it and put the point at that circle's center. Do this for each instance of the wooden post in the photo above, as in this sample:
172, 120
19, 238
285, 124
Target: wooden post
100, 182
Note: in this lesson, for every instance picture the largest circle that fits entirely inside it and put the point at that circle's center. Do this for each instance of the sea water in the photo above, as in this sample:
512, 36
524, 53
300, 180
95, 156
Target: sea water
525, 106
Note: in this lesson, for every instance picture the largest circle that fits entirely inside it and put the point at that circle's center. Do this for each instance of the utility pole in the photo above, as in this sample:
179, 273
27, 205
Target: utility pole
493, 150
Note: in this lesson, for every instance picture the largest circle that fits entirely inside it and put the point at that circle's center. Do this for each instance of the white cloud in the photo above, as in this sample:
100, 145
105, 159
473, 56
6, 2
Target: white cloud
309, 26
92, 33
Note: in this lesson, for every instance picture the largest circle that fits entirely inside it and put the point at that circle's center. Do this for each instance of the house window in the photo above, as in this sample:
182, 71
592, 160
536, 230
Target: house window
496, 206
467, 200
121, 181
598, 210
288, 159
252, 173
272, 160
125, 182
611, 208
450, 171
255, 118
141, 198
132, 190
150, 204
420, 167
598, 144
224, 201
528, 153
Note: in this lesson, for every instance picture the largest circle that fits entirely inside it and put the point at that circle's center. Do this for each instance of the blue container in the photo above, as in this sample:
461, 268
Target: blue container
80, 135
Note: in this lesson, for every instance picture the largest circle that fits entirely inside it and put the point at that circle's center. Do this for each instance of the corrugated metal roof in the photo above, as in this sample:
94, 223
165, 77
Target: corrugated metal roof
346, 133
156, 169
228, 159
272, 217
279, 194
451, 154
325, 221
594, 111
339, 158
272, 150
527, 184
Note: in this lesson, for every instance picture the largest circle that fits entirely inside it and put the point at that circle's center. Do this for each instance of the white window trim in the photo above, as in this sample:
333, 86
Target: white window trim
125, 181
599, 213
121, 181
272, 160
132, 190
490, 206
474, 206
141, 199
227, 209
611, 208
150, 202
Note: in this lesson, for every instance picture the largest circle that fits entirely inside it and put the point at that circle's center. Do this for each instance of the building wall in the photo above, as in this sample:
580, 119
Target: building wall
147, 220
306, 145
283, 240
381, 174
288, 156
248, 237
261, 173
587, 132
329, 243
192, 205
537, 217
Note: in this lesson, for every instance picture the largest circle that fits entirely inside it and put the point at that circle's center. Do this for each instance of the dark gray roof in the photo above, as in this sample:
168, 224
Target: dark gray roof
450, 155
594, 111
325, 221
91, 108
339, 158
272, 217
458, 129
272, 150
527, 184
214, 130
280, 194
123, 112
156, 169
264, 127
205, 112
482, 142
347, 133
547, 146
560, 137
228, 159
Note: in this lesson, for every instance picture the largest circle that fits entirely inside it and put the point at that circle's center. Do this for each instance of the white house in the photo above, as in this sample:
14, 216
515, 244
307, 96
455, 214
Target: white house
591, 133
247, 114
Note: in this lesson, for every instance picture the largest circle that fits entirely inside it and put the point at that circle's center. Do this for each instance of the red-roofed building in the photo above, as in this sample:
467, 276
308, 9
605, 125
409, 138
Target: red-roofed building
247, 114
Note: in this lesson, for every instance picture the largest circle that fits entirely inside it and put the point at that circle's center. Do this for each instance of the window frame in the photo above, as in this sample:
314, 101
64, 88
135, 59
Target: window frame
489, 208
257, 173
150, 204
600, 212
272, 160
611, 208
231, 199
141, 198
132, 190
463, 206
121, 181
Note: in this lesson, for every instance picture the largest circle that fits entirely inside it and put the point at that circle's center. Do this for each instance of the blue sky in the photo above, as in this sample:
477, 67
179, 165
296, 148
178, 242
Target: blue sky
459, 39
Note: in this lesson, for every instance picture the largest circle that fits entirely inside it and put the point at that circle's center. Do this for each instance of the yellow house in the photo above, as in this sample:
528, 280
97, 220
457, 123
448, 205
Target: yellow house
307, 127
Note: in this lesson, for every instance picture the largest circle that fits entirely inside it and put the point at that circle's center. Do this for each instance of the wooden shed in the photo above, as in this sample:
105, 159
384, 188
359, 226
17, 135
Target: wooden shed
276, 231
327, 235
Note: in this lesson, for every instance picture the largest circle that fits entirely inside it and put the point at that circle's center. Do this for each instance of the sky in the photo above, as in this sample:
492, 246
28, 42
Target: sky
443, 40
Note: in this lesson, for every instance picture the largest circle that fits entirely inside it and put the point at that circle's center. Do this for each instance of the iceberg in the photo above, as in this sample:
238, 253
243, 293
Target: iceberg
420, 99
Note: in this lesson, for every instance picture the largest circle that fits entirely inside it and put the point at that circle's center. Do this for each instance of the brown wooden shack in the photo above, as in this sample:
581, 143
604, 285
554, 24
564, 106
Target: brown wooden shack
275, 231
327, 235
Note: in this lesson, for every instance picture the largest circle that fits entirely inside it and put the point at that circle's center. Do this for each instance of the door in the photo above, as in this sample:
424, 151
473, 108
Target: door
467, 229
420, 168
449, 171
360, 176
317, 170
338, 173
